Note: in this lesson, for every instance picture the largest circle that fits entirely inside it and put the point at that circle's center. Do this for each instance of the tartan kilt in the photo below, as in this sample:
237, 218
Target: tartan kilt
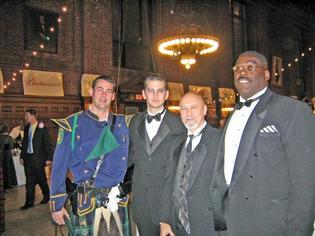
83, 224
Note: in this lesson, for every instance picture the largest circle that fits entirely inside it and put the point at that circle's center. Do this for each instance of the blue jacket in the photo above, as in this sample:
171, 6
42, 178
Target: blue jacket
75, 143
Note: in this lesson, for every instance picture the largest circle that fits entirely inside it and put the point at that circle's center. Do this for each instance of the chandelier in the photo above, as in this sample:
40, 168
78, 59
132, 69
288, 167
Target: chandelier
188, 43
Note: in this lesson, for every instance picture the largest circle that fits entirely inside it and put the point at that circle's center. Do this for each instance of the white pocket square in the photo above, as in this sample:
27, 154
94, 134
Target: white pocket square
269, 129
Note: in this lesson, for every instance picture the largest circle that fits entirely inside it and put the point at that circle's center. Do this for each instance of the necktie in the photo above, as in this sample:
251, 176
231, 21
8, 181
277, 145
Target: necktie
156, 117
189, 145
30, 141
247, 103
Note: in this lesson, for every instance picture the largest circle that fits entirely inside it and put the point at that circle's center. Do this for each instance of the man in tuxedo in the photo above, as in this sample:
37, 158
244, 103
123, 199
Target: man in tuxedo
263, 183
36, 154
187, 208
151, 133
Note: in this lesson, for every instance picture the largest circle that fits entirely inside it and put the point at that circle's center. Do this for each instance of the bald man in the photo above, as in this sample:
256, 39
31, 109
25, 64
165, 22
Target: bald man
187, 209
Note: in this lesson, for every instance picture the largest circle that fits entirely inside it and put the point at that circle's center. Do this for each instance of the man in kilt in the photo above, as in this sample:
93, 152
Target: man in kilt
93, 146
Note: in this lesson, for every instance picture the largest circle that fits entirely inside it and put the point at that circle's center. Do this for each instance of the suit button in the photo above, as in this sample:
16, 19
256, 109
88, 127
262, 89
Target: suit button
246, 197
85, 171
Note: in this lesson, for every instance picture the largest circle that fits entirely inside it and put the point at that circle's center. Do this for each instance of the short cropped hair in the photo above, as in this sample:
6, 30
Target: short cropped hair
32, 111
106, 78
4, 129
155, 77
258, 55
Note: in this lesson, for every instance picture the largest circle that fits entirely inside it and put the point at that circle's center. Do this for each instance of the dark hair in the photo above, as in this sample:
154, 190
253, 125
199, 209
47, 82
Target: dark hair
155, 77
32, 111
106, 78
258, 55
4, 129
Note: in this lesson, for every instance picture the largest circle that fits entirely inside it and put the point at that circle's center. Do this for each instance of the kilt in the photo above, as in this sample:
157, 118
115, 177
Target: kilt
92, 219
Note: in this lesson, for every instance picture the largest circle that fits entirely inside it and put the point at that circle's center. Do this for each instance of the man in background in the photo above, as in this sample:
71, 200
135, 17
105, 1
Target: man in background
36, 154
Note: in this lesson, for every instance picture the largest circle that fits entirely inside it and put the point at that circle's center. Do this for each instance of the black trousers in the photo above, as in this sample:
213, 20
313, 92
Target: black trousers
34, 175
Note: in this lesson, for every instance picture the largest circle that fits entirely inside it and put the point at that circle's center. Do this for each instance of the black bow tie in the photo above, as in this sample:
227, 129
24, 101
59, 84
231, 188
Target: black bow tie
156, 117
247, 103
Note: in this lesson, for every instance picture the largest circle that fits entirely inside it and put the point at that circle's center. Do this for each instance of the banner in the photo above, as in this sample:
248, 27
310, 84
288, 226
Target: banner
42, 83
1, 82
86, 84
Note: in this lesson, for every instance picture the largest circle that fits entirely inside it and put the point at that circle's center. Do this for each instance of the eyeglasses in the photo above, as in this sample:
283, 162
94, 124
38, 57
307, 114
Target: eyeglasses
248, 68
155, 91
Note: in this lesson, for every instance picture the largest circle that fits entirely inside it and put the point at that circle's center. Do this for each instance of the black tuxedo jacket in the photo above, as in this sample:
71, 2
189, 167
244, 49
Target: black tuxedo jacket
272, 191
200, 208
150, 162
42, 147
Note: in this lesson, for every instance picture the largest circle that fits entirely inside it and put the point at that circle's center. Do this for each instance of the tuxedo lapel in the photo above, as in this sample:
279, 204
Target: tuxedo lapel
249, 136
219, 178
199, 153
163, 131
142, 134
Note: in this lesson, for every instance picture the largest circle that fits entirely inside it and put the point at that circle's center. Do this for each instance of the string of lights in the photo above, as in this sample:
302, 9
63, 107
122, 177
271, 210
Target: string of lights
34, 53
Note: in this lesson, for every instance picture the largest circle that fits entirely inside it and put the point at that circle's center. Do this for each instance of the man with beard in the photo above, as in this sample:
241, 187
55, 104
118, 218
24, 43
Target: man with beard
187, 207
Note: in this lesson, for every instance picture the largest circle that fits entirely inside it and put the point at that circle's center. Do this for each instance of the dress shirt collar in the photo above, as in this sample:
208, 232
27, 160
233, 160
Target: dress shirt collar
151, 114
197, 131
261, 92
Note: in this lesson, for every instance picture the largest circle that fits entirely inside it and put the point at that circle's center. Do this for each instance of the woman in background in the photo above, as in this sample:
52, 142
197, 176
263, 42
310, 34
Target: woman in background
9, 175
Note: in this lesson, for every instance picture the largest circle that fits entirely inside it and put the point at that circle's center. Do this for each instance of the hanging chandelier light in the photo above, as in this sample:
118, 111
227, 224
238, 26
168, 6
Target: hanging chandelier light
188, 43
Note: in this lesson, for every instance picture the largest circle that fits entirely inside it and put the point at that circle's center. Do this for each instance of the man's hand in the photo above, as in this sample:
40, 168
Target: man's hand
48, 163
58, 216
165, 230
21, 162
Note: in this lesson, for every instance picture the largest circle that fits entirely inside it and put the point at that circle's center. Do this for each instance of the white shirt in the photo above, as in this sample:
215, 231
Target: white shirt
197, 136
153, 127
234, 133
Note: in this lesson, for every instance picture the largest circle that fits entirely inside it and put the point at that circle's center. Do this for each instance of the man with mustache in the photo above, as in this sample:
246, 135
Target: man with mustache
263, 183
187, 208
